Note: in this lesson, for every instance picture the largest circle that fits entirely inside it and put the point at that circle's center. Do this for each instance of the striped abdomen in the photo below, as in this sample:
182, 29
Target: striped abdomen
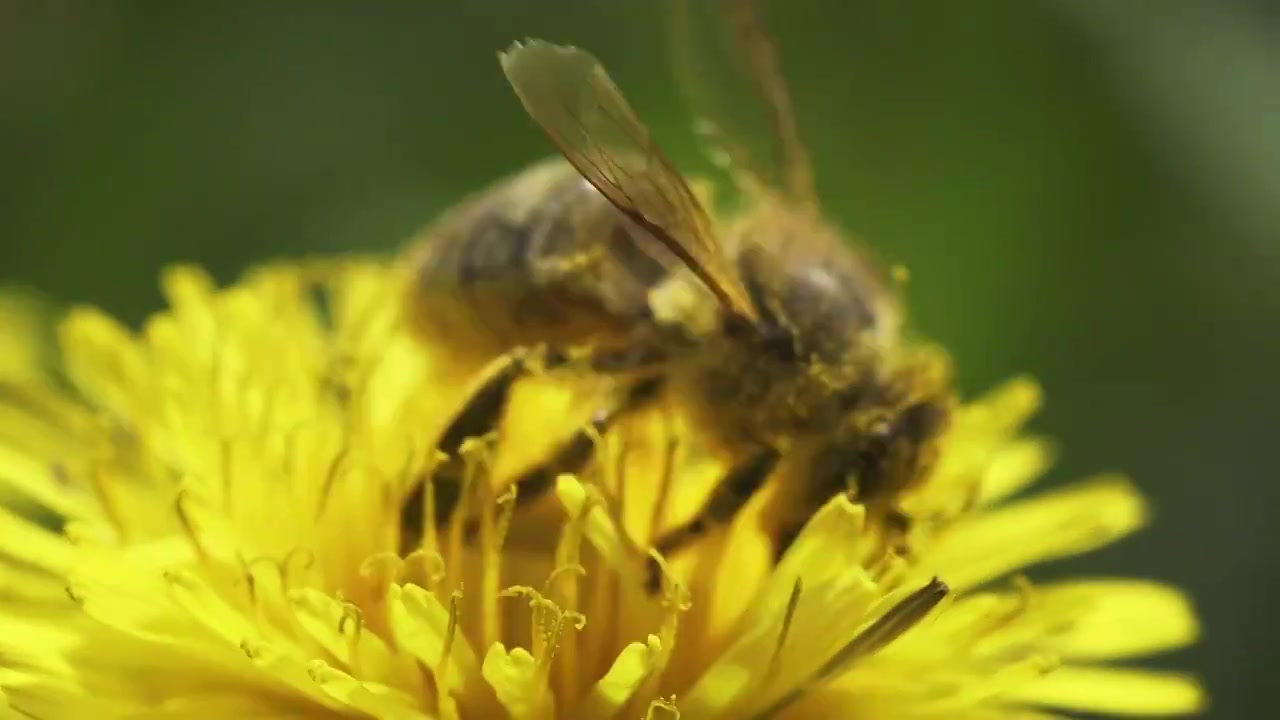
541, 257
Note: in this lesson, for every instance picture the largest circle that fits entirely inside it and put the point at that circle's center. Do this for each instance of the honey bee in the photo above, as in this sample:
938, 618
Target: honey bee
767, 327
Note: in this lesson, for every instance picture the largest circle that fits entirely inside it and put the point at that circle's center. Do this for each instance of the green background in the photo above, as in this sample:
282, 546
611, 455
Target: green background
1087, 191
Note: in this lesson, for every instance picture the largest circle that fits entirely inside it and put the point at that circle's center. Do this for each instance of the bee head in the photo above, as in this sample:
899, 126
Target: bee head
878, 453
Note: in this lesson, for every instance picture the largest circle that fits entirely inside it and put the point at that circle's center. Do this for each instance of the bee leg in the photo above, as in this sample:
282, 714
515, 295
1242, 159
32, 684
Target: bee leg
872, 471
577, 451
482, 414
479, 416
895, 523
784, 539
632, 359
737, 487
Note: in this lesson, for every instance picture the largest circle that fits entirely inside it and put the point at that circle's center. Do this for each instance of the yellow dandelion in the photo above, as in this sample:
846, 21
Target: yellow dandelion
228, 484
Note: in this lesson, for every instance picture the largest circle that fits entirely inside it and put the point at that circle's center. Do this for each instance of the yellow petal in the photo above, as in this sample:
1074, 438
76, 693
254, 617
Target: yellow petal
122, 597
514, 677
632, 666
737, 572
33, 545
826, 703
206, 607
282, 669
32, 478
1076, 620
1117, 618
339, 629
1014, 467
420, 626
1006, 407
369, 698
834, 600
45, 439
1053, 525
104, 361
25, 337
1115, 691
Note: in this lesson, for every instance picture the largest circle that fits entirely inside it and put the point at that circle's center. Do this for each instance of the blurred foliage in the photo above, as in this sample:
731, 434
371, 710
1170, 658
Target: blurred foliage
1088, 191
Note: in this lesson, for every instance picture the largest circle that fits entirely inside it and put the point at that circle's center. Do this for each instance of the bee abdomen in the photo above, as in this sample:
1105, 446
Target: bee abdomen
541, 257
497, 249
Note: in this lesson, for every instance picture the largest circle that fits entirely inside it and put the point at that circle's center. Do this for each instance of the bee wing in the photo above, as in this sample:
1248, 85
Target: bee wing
727, 66
567, 92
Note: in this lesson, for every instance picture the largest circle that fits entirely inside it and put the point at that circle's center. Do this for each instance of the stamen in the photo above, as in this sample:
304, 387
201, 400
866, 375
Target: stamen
775, 662
227, 471
440, 673
493, 535
666, 707
1020, 603
568, 565
381, 570
548, 628
675, 600
430, 536
188, 527
606, 476
249, 569
330, 479
602, 608
108, 500
579, 502
424, 569
674, 595
351, 614
574, 569
287, 566
252, 649
507, 503
251, 587
475, 454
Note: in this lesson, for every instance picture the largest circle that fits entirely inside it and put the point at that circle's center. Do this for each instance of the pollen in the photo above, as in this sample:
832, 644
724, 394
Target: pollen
202, 519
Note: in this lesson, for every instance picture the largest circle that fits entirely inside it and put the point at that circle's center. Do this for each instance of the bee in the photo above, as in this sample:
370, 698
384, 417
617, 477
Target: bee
768, 328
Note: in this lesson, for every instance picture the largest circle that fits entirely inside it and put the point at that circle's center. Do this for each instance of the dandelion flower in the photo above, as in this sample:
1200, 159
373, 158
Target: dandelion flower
228, 480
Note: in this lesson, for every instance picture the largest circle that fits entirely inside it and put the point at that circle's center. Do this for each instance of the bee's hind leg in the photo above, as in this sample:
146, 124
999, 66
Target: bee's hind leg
730, 495
575, 453
477, 418
637, 367
484, 411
